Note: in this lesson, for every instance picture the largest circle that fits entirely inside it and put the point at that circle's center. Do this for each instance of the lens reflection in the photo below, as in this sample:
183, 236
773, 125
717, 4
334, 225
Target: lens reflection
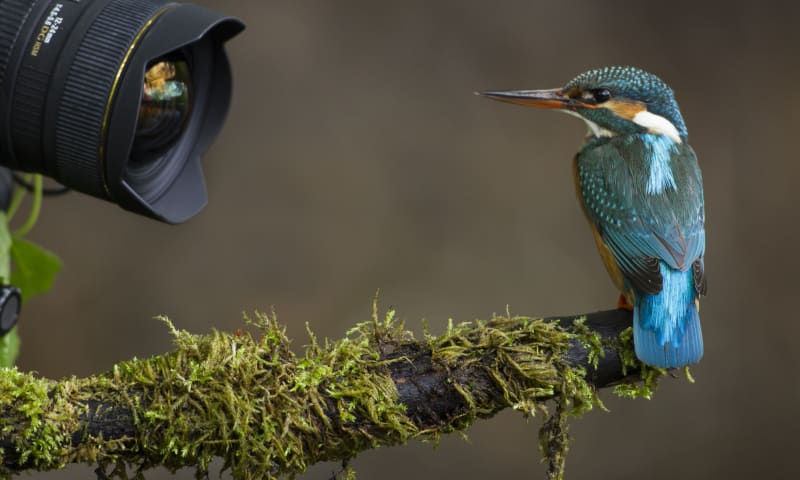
165, 109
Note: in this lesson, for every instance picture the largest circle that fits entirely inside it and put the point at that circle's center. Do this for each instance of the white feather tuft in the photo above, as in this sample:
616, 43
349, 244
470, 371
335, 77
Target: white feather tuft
657, 124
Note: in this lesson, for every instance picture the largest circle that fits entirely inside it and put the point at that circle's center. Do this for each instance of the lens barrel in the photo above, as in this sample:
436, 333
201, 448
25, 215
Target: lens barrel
115, 98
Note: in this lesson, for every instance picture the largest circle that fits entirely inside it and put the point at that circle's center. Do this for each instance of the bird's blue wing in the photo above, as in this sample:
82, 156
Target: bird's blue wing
644, 194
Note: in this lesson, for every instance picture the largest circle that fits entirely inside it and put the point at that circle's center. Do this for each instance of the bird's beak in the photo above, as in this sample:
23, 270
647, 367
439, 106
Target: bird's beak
553, 98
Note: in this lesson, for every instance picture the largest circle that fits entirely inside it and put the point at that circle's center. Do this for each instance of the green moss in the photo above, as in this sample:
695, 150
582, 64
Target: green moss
248, 398
529, 367
590, 339
554, 442
647, 382
252, 401
36, 414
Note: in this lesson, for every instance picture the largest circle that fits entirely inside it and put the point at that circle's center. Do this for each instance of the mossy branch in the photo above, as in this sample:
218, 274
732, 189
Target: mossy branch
266, 411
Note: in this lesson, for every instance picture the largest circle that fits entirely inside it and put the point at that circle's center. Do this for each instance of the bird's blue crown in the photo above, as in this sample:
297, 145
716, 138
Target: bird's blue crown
629, 83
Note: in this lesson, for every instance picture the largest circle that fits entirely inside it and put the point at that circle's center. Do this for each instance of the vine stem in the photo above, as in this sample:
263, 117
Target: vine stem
36, 207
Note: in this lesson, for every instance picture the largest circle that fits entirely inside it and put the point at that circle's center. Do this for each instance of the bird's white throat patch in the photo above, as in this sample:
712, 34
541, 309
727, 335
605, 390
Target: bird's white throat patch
653, 123
657, 124
595, 130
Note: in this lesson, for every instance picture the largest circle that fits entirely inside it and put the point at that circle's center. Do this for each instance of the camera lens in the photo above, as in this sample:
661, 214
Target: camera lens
115, 98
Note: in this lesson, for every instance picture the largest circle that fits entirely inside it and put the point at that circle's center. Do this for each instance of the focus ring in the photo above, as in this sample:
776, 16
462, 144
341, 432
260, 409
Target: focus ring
89, 84
12, 18
26, 120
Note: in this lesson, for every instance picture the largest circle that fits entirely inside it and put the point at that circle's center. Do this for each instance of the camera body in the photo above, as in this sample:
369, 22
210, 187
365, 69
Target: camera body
117, 99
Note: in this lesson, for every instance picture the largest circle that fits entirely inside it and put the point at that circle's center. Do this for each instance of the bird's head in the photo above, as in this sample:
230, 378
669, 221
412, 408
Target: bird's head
612, 101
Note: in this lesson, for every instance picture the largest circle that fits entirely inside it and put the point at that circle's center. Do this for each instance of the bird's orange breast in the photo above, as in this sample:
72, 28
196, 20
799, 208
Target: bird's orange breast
605, 253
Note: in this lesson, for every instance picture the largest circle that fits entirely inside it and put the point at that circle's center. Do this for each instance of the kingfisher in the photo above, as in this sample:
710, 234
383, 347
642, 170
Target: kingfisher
641, 190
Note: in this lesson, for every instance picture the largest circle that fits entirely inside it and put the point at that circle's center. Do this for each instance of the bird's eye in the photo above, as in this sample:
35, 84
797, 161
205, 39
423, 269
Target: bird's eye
601, 95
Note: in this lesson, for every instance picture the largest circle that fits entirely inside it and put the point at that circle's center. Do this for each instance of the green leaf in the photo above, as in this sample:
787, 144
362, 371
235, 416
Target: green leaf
9, 348
5, 247
34, 267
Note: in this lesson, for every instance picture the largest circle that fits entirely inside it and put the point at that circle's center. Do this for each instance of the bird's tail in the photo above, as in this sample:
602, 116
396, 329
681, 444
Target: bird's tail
666, 326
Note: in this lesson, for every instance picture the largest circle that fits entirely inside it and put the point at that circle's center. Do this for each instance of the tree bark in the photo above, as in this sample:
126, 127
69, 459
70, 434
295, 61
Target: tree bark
268, 412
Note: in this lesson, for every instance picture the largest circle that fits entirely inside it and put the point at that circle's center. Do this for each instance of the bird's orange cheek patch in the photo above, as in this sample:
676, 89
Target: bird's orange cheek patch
625, 108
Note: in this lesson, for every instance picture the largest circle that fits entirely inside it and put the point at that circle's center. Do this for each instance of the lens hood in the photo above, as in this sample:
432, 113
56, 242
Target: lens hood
72, 83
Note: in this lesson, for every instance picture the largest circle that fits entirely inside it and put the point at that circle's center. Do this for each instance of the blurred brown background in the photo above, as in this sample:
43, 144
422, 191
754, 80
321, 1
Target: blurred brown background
356, 158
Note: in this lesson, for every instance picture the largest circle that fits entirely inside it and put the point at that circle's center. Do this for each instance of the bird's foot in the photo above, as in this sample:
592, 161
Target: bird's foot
623, 304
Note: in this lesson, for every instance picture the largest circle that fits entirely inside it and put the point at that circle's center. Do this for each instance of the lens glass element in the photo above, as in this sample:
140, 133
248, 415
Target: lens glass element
164, 113
166, 105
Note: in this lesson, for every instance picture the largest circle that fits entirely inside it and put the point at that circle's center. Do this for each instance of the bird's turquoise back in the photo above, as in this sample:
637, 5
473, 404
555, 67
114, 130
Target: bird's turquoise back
643, 194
